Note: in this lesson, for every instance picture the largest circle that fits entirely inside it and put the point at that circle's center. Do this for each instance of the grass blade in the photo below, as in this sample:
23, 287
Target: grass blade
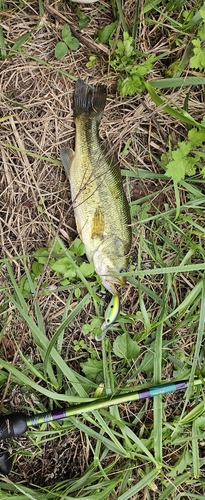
179, 113
144, 483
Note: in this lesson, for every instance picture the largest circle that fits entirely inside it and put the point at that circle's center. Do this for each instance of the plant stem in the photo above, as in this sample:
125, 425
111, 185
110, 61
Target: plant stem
121, 15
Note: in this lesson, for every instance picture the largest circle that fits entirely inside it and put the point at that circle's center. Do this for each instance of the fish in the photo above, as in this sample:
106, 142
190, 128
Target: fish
100, 206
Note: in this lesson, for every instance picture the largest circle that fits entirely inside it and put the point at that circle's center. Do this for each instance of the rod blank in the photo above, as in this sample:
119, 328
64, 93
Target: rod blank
16, 424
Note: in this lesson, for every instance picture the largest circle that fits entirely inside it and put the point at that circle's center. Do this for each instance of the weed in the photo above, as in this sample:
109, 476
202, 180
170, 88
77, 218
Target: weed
68, 42
94, 328
186, 157
7, 49
105, 34
63, 266
49, 309
198, 60
91, 62
125, 348
78, 345
82, 18
123, 60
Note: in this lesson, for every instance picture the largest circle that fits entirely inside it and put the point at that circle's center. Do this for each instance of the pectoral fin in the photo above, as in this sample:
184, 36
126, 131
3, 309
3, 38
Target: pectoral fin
67, 156
97, 224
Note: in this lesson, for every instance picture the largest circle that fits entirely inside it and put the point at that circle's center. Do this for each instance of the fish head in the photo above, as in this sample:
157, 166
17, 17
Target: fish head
109, 266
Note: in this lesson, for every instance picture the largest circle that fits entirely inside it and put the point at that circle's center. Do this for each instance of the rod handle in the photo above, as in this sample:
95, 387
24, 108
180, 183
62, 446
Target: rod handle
12, 425
5, 462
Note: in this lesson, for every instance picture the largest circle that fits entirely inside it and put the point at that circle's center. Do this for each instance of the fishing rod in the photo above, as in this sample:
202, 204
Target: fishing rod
15, 424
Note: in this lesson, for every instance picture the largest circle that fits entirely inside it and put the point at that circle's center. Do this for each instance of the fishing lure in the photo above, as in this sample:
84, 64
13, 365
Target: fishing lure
111, 314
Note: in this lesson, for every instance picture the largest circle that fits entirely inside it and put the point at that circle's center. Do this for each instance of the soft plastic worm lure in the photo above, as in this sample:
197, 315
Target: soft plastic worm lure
111, 314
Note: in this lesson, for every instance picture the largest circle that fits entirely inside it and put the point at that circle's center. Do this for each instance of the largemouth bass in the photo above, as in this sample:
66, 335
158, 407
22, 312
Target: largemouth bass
101, 209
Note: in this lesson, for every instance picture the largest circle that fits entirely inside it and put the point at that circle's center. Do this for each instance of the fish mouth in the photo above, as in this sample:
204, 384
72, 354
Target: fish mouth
109, 271
113, 285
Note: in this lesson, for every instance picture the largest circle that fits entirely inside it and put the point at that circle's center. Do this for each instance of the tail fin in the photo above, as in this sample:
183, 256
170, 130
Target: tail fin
89, 100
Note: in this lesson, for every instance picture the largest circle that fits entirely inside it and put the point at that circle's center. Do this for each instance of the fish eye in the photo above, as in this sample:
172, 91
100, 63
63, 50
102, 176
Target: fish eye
123, 270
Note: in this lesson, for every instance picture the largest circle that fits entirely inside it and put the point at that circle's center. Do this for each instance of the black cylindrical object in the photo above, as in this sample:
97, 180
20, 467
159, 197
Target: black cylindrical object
5, 462
12, 425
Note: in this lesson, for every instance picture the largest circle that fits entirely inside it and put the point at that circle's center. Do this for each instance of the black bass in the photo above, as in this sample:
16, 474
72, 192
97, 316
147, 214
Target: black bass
101, 209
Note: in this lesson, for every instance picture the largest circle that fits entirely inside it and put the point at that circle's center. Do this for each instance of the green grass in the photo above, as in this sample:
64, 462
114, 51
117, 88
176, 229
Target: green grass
126, 440
152, 447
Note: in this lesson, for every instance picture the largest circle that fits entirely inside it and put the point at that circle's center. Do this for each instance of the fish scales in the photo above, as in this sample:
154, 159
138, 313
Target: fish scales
100, 205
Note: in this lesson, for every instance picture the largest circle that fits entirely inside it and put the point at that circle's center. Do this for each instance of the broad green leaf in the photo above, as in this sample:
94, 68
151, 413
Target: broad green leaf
198, 60
128, 48
61, 50
191, 164
65, 281
70, 274
196, 136
62, 265
130, 85
77, 293
200, 422
125, 347
105, 33
25, 287
78, 247
41, 255
202, 12
56, 248
147, 364
93, 370
66, 33
73, 43
87, 269
176, 170
37, 269
91, 62
82, 18
183, 150
94, 327
143, 68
